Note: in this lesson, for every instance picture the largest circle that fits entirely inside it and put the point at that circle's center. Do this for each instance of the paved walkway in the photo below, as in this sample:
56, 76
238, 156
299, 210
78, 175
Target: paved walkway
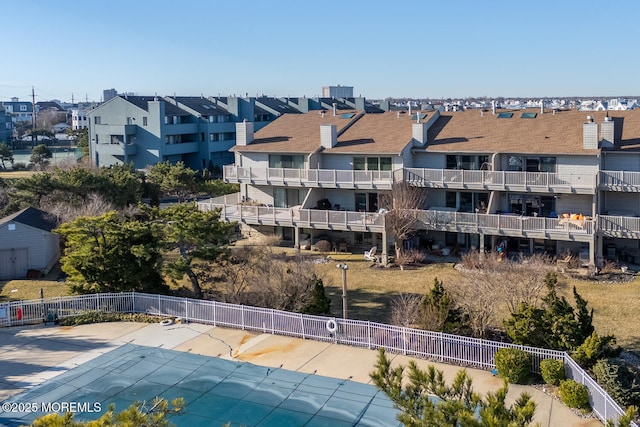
33, 354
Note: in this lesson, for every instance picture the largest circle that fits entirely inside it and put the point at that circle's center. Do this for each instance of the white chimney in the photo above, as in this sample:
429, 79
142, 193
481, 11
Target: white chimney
542, 106
334, 108
419, 132
409, 105
328, 136
590, 134
607, 133
493, 107
244, 133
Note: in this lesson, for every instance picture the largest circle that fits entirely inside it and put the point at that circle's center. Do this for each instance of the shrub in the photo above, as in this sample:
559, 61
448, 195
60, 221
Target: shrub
323, 246
552, 371
619, 380
18, 166
513, 365
594, 348
100, 317
574, 395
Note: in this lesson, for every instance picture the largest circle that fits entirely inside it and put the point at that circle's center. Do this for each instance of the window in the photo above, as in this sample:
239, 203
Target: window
548, 164
97, 120
372, 163
23, 108
528, 115
144, 121
459, 161
286, 161
505, 115
366, 202
213, 137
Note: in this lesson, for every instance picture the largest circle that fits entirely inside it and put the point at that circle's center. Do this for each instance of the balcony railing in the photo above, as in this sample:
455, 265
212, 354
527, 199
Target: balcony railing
490, 224
625, 227
619, 180
327, 178
546, 182
433, 178
507, 225
312, 218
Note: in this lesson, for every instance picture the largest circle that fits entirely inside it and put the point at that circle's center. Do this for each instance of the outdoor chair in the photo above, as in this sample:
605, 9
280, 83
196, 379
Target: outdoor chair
370, 255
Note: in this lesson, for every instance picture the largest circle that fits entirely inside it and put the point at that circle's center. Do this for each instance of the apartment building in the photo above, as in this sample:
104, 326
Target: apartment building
199, 131
551, 181
6, 126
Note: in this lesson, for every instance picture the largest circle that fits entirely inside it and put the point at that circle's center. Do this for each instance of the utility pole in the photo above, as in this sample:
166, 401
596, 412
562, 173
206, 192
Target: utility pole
33, 117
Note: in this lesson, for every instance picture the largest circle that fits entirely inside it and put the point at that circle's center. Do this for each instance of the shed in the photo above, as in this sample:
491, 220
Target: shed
27, 243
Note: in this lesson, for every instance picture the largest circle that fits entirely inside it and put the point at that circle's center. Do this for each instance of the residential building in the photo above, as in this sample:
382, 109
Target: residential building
199, 131
107, 94
79, 119
20, 111
337, 91
543, 181
6, 126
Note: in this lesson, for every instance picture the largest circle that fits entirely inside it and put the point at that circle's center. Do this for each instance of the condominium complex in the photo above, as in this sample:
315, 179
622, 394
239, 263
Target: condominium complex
200, 131
535, 179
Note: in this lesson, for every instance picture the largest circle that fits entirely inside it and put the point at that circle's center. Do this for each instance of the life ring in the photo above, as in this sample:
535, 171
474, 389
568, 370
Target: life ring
332, 326
166, 322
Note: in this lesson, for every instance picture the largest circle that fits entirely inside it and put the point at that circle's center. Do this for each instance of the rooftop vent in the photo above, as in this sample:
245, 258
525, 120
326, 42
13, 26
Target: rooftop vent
589, 119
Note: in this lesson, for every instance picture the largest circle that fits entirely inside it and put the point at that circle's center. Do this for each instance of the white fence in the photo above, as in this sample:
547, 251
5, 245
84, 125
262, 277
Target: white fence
436, 346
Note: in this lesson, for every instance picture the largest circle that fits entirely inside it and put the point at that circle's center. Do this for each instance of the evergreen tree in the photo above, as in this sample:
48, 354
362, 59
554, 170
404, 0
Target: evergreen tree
456, 404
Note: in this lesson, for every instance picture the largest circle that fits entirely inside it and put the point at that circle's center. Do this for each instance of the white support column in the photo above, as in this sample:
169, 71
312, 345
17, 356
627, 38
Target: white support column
384, 255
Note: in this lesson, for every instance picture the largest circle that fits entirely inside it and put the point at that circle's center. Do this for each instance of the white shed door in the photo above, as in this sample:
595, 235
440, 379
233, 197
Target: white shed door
14, 263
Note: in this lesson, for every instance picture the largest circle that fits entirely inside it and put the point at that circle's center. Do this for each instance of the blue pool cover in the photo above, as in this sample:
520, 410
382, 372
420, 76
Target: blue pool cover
216, 392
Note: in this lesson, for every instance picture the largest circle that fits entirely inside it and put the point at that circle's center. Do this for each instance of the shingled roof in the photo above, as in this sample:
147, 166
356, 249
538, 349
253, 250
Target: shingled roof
554, 133
32, 217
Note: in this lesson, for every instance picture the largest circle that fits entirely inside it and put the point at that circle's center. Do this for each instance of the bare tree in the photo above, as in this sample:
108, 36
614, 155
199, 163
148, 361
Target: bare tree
405, 309
68, 209
402, 203
259, 275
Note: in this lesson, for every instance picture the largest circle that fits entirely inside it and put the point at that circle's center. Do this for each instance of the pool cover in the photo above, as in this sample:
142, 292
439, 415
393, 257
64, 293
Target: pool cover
216, 392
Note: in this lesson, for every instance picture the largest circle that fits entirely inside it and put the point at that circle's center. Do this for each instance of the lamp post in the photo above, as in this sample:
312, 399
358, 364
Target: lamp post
344, 267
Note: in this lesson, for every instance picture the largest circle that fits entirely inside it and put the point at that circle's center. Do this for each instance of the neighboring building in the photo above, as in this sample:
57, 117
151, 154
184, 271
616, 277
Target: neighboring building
79, 119
20, 111
27, 243
6, 126
199, 131
108, 94
337, 91
52, 106
543, 181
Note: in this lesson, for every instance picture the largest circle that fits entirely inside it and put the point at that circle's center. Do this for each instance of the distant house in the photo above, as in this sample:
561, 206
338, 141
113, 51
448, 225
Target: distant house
27, 243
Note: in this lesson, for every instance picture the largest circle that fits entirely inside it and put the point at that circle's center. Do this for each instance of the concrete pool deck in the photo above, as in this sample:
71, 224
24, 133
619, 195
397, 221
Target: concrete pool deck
31, 355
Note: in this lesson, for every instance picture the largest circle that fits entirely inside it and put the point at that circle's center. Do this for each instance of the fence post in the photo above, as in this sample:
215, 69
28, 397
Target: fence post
369, 333
441, 346
304, 335
273, 321
133, 302
215, 305
404, 340
242, 315
186, 309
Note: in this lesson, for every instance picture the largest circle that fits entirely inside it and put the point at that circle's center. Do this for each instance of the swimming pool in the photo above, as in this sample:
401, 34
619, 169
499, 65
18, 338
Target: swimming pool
216, 391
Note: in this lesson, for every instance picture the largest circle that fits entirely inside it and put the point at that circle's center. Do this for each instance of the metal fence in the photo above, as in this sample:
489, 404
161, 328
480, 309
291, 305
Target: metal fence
437, 346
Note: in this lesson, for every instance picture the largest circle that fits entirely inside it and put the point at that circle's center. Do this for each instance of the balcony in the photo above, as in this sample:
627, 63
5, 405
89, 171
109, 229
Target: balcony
489, 224
316, 178
183, 148
624, 227
619, 181
310, 218
180, 129
117, 149
542, 182
508, 225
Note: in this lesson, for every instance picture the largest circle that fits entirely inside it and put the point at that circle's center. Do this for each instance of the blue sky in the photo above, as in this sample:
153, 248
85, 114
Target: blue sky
422, 48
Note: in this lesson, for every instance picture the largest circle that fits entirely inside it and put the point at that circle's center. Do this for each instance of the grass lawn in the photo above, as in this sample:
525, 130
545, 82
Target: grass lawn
370, 290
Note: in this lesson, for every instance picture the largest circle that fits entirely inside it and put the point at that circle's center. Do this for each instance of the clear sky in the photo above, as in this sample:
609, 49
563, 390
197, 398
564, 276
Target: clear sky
419, 48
